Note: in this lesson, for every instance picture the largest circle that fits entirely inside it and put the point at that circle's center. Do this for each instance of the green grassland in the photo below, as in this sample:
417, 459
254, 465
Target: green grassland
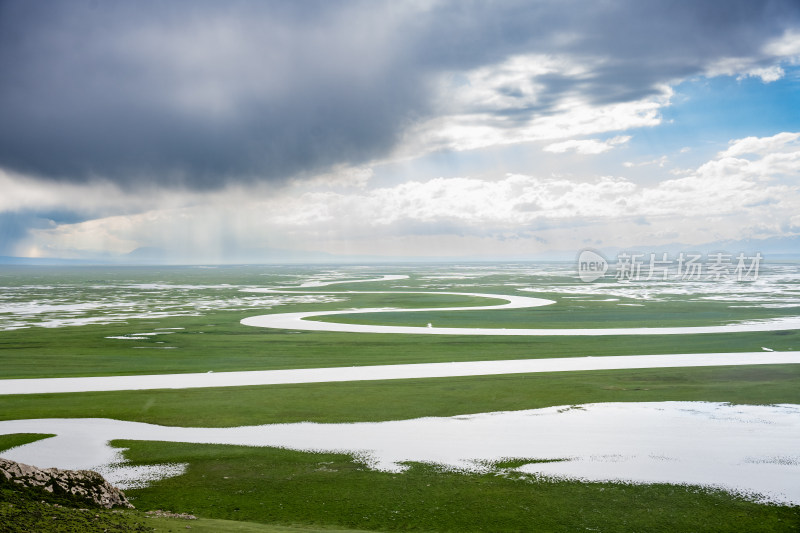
218, 342
283, 486
237, 488
213, 339
402, 399
596, 314
18, 439
34, 511
273, 486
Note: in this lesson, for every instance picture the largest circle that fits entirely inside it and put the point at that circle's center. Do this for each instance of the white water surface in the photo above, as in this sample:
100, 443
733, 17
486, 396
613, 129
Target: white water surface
388, 372
747, 449
303, 320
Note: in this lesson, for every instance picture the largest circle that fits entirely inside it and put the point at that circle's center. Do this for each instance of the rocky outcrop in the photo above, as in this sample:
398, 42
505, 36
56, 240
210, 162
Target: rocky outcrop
85, 484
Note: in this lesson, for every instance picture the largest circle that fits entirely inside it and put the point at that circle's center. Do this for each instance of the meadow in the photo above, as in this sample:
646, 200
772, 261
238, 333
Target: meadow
70, 322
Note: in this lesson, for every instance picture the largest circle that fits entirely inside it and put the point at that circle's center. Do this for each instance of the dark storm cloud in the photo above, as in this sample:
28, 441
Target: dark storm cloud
635, 45
201, 93
193, 92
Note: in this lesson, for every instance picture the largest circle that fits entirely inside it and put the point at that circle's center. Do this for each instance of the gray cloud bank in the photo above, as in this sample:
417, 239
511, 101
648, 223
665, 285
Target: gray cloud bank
199, 94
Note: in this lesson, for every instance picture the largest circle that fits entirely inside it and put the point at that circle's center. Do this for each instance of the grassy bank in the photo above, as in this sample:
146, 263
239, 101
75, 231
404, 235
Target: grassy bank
399, 399
282, 486
218, 342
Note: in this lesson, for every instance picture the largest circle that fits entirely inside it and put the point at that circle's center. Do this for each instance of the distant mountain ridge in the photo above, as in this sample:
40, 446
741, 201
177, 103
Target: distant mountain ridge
774, 248
49, 261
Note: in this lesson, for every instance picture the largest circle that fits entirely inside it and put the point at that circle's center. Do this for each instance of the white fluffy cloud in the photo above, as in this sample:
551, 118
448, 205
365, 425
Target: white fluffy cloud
744, 68
586, 146
22, 192
728, 197
763, 146
499, 104
765, 64
786, 46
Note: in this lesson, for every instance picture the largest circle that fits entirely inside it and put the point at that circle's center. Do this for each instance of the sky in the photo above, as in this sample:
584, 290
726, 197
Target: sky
228, 132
